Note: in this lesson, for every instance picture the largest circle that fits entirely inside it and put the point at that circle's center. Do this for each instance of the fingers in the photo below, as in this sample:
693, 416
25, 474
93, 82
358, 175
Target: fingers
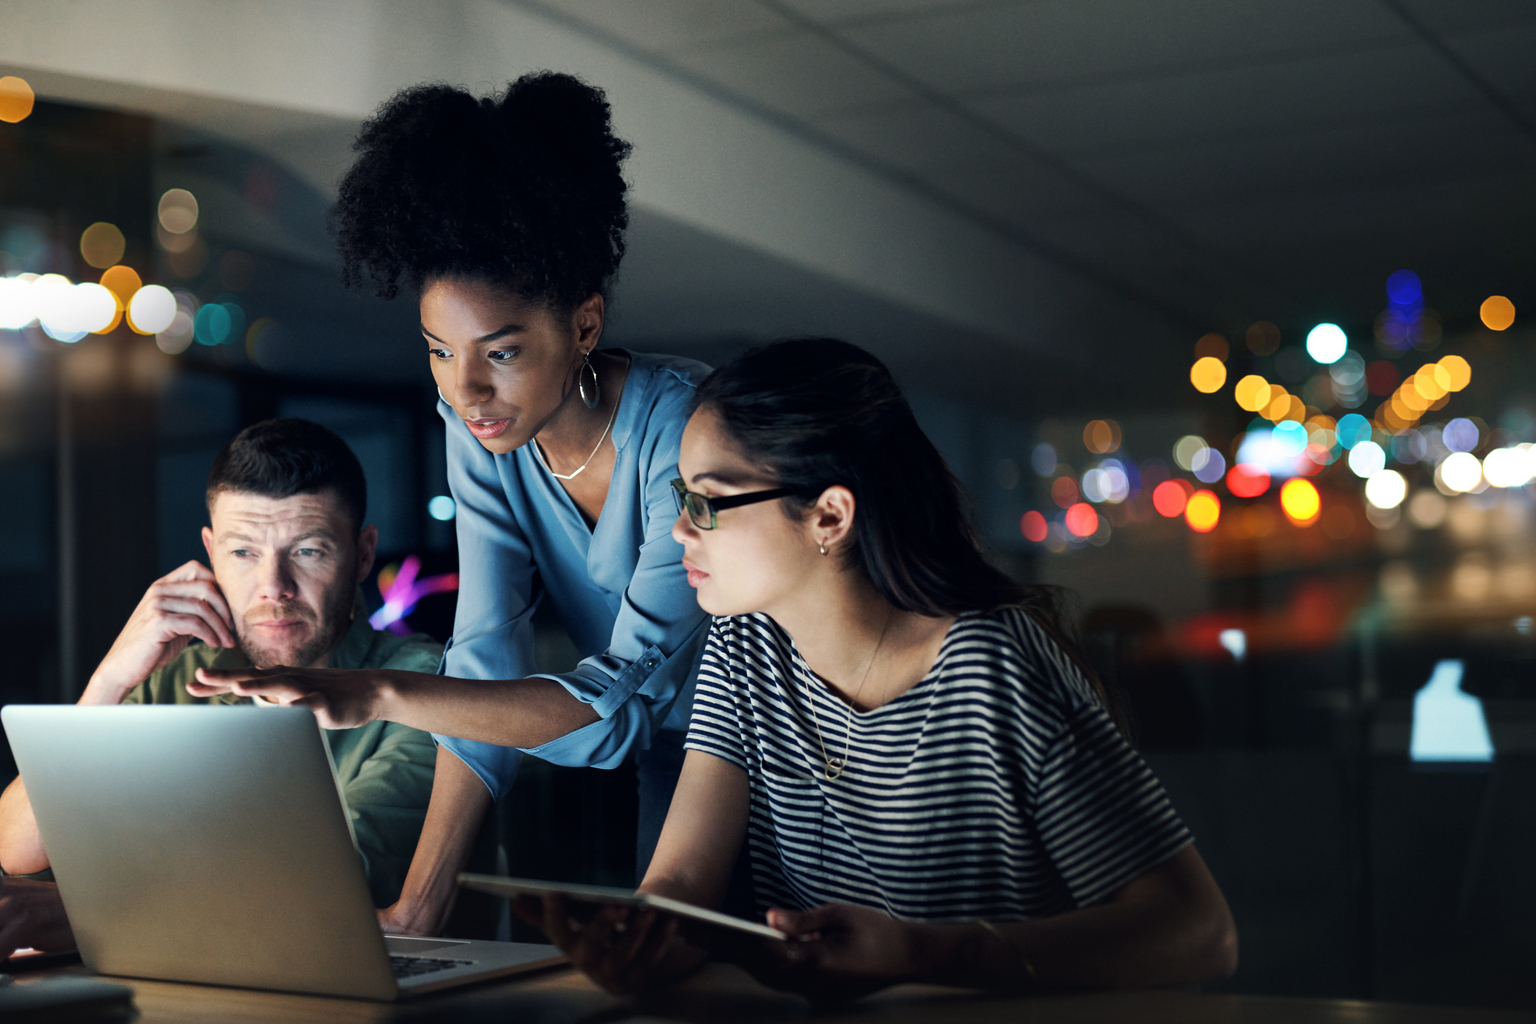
201, 597
804, 924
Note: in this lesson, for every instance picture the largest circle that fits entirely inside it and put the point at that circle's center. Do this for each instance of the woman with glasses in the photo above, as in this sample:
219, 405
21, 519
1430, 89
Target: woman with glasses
919, 763
506, 216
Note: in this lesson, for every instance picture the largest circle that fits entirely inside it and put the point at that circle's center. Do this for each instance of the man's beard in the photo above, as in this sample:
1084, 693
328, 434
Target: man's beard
327, 632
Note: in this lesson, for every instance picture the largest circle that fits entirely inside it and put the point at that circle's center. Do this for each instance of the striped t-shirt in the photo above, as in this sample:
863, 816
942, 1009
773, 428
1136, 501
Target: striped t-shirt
997, 787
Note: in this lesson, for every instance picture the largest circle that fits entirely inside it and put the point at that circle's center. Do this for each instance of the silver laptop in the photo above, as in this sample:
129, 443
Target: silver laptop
210, 845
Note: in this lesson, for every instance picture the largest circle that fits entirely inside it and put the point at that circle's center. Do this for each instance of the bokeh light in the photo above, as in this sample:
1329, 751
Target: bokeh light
102, 244
1252, 393
1460, 472
1263, 338
16, 308
1101, 436
1290, 437
1042, 459
123, 282
1203, 511
152, 310
16, 99
1460, 435
1497, 313
1300, 501
1208, 465
1169, 498
178, 211
213, 325
1208, 374
1459, 369
1386, 489
1212, 346
1508, 467
96, 308
1326, 343
1247, 480
1034, 527
1405, 289
1064, 491
1082, 520
443, 509
1366, 459
1186, 448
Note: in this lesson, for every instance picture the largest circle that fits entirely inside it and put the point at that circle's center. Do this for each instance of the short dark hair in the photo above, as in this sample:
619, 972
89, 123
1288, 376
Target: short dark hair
283, 457
522, 191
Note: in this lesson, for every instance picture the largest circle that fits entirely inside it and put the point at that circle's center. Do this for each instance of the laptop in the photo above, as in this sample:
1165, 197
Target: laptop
209, 844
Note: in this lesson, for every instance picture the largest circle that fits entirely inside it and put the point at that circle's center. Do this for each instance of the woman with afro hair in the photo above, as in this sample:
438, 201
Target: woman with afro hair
505, 217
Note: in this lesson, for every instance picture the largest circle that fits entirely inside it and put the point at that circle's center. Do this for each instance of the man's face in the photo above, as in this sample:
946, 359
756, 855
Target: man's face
289, 568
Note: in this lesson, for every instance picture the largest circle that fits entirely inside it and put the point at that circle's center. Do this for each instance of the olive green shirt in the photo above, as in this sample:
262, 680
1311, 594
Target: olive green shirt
385, 769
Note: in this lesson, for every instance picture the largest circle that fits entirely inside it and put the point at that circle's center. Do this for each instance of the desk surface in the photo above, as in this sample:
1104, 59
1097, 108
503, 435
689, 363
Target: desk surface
727, 995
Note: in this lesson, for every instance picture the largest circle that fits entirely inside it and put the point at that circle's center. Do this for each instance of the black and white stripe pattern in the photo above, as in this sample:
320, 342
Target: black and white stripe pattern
997, 787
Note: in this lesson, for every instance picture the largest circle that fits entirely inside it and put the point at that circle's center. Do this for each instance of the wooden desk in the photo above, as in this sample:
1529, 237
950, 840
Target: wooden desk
725, 995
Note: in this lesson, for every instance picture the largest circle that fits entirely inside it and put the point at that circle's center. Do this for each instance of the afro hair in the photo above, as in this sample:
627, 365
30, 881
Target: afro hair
523, 191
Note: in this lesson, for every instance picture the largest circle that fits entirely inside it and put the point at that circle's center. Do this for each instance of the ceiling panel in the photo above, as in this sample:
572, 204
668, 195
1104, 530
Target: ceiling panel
921, 136
1173, 110
1017, 193
663, 25
1053, 41
1459, 15
802, 75
833, 11
1506, 59
1385, 153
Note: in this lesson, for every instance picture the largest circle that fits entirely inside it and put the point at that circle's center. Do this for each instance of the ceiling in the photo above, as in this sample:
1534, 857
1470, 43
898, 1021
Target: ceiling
1223, 161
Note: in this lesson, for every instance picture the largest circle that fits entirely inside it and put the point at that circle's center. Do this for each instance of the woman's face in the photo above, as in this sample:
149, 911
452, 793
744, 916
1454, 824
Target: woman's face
756, 558
504, 363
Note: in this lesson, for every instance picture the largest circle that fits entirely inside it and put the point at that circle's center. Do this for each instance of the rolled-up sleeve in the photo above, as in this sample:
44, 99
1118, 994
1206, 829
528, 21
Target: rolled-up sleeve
658, 633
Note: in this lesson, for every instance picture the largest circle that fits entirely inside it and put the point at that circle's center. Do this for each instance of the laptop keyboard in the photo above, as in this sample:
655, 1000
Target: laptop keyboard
416, 966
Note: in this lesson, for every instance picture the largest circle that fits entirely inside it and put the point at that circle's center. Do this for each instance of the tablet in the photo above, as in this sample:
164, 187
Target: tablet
602, 894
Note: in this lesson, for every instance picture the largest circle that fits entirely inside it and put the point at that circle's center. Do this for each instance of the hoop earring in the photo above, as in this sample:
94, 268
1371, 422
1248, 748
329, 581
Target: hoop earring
581, 386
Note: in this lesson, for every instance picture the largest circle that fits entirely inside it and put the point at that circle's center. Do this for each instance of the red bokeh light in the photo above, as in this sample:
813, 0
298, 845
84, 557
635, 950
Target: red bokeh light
1033, 527
1082, 520
1382, 377
1064, 491
1169, 498
1247, 480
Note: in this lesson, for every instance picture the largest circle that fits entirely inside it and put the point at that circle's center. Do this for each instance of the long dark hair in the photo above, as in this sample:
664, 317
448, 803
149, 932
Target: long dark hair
818, 412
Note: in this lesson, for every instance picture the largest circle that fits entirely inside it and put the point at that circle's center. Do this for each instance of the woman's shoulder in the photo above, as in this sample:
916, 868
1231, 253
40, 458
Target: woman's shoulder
1011, 647
666, 378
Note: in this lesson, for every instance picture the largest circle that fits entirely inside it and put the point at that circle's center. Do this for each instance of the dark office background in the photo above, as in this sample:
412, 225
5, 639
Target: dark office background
1352, 871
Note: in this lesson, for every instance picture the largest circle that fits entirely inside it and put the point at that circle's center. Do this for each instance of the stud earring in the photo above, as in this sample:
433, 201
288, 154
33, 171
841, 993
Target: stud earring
581, 385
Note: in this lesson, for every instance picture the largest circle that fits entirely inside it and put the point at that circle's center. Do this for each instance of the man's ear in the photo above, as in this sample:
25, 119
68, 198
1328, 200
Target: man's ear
208, 544
367, 547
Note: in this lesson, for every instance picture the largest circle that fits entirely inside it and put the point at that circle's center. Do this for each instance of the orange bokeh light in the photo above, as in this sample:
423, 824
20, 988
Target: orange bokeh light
1497, 313
1300, 501
1203, 511
16, 99
1064, 491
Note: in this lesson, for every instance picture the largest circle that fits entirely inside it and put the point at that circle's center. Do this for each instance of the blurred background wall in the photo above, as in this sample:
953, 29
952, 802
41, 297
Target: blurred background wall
1218, 310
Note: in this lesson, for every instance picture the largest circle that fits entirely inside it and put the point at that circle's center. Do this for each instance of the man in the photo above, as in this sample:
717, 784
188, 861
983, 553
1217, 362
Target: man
288, 550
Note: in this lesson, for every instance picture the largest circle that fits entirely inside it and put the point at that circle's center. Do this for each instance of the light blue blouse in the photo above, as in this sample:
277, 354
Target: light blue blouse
618, 588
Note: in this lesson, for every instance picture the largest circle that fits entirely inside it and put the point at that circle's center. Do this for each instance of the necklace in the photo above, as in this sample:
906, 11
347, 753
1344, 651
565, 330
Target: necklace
573, 475
837, 765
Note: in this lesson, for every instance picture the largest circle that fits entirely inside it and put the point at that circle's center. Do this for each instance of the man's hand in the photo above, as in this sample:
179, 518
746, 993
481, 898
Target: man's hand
32, 916
185, 604
340, 698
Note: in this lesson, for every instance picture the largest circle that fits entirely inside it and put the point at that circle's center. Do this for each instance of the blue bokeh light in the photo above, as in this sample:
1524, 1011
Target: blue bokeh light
442, 508
1405, 289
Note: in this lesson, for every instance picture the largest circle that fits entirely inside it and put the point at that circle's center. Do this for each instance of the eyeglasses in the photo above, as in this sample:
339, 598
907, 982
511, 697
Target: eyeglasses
702, 510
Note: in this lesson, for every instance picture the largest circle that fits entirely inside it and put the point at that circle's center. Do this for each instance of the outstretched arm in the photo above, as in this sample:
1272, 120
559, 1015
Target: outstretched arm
21, 847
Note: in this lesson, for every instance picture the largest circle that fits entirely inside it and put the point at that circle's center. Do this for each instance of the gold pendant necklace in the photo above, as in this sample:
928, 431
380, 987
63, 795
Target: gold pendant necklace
571, 476
837, 765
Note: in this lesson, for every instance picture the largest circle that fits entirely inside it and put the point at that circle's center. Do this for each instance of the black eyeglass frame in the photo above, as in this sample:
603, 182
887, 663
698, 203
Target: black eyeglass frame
681, 495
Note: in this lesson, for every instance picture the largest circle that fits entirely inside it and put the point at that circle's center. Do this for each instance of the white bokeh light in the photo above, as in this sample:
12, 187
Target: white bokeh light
1366, 459
1386, 489
152, 308
1326, 343
1461, 471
